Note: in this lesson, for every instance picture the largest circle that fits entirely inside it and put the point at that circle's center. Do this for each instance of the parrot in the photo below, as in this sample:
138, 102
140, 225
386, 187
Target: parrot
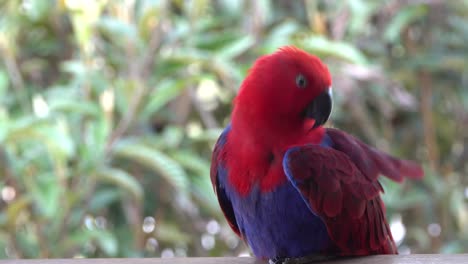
289, 187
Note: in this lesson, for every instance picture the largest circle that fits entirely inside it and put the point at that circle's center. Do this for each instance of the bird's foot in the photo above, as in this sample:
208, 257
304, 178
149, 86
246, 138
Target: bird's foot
300, 260
279, 260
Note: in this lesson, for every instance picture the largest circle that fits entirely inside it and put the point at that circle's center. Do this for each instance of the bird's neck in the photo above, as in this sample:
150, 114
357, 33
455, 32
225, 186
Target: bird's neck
272, 132
257, 148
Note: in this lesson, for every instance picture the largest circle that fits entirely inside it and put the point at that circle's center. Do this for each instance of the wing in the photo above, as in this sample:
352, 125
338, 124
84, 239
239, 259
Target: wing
339, 183
371, 161
218, 171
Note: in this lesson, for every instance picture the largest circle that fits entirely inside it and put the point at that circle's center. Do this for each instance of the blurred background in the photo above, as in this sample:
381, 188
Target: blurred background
109, 111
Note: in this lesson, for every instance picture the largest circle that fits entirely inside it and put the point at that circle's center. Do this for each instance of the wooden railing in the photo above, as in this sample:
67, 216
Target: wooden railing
387, 259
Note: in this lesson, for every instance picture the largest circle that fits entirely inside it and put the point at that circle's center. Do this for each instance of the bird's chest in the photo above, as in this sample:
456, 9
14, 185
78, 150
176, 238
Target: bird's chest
279, 223
270, 213
251, 166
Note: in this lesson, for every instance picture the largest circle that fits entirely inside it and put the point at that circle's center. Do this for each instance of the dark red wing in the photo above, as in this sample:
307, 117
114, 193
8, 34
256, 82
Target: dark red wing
339, 183
372, 162
218, 171
343, 197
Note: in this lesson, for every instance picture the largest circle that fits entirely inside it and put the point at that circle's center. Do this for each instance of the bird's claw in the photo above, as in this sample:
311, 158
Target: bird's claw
300, 260
279, 260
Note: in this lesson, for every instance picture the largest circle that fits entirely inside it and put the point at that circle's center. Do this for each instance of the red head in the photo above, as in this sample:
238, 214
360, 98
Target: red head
288, 90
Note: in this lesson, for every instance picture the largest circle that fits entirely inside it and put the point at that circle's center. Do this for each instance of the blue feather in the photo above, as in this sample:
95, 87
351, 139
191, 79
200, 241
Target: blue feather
277, 223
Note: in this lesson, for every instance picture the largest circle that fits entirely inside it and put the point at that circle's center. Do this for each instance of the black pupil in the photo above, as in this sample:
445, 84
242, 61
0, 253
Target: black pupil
301, 81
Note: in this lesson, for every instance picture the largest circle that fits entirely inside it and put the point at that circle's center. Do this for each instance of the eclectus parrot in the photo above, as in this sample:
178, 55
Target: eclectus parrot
289, 187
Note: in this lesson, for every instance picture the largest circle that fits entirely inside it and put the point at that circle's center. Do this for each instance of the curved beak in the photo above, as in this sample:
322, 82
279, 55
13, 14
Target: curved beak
320, 108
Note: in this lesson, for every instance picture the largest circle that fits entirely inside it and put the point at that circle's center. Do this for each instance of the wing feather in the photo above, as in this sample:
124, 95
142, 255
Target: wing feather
339, 183
217, 170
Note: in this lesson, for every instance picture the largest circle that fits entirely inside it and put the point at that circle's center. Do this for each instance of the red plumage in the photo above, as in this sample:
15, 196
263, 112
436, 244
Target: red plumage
277, 149
341, 186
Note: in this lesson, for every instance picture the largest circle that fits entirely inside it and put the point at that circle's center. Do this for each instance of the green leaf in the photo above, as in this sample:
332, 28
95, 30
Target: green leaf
236, 48
402, 19
172, 136
192, 161
45, 190
3, 84
420, 235
157, 161
107, 242
361, 11
209, 42
232, 7
122, 179
209, 135
322, 46
75, 67
170, 233
24, 128
27, 242
200, 183
117, 29
4, 243
280, 36
36, 9
453, 247
58, 139
55, 136
78, 238
14, 209
60, 105
165, 91
4, 128
103, 198
203, 191
92, 152
83, 16
395, 198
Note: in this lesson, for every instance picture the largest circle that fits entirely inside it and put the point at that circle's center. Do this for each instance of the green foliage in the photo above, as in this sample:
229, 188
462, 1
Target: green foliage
109, 111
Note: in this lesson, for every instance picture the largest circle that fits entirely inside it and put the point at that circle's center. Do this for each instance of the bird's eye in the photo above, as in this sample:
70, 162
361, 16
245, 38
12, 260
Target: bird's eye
301, 81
